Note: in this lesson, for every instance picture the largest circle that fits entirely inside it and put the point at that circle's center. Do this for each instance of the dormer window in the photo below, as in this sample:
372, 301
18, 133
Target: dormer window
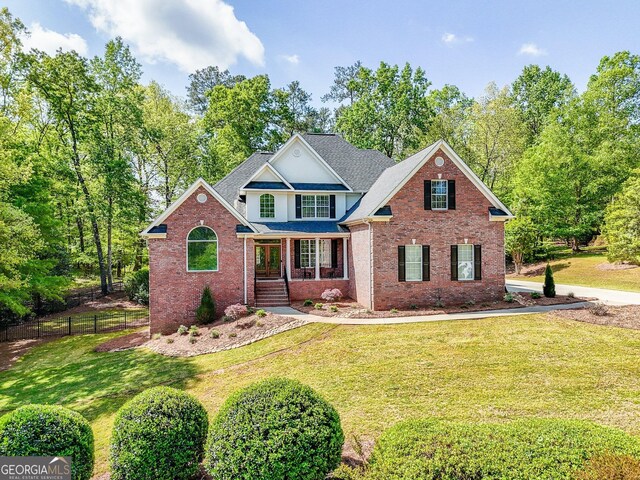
267, 206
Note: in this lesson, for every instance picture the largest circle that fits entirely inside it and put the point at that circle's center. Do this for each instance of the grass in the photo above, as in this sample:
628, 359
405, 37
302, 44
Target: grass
487, 370
581, 269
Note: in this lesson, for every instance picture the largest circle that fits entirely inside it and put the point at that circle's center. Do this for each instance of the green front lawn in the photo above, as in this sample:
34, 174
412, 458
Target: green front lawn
482, 370
585, 268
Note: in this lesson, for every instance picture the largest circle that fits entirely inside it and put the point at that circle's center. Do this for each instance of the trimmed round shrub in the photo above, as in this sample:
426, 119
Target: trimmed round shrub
275, 429
49, 430
158, 435
540, 449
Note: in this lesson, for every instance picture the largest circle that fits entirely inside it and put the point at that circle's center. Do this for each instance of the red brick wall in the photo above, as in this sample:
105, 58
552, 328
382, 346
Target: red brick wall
440, 230
360, 272
174, 292
312, 289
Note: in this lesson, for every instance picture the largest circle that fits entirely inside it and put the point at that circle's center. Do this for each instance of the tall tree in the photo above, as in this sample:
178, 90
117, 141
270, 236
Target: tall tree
292, 109
536, 93
342, 89
451, 121
391, 109
496, 138
202, 82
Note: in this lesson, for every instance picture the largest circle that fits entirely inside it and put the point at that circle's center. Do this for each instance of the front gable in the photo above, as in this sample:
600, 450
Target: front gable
297, 162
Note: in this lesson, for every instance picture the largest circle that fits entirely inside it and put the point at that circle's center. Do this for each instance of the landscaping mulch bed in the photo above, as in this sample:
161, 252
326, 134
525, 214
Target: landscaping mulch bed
232, 335
624, 317
351, 309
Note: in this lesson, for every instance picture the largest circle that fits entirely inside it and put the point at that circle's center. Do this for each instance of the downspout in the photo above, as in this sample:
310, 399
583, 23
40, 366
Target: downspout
245, 271
371, 293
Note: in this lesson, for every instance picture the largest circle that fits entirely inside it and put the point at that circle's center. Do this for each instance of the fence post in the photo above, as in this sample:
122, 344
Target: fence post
125, 319
95, 324
69, 325
38, 327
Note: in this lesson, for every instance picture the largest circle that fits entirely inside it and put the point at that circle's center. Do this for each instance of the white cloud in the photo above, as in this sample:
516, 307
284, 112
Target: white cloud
292, 59
49, 40
451, 38
531, 49
191, 34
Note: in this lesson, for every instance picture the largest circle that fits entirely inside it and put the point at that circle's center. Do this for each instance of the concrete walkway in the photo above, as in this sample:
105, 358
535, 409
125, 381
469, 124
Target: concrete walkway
610, 297
298, 315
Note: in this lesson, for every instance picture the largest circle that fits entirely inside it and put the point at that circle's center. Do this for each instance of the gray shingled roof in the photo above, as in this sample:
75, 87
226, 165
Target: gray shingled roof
384, 185
228, 187
359, 168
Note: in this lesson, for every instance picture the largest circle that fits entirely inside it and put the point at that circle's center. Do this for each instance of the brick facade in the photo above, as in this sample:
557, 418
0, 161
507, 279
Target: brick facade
373, 279
439, 230
175, 293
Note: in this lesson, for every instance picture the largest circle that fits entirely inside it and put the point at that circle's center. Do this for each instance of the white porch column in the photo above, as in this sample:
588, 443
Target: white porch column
345, 259
317, 258
287, 262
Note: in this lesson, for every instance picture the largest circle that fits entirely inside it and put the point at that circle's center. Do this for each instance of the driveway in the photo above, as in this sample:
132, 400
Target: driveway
610, 297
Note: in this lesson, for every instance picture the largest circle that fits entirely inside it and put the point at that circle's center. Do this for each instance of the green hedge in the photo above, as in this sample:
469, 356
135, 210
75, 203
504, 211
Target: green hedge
49, 430
526, 449
158, 435
277, 429
136, 286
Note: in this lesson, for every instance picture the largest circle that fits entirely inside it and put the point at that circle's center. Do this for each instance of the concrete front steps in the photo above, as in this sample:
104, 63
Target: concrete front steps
271, 293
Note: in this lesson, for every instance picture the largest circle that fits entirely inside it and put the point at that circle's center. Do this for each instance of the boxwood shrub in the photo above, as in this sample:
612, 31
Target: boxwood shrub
277, 429
540, 449
49, 430
158, 435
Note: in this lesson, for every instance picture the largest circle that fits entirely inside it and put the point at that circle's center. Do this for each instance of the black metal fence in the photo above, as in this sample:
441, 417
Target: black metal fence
309, 273
74, 325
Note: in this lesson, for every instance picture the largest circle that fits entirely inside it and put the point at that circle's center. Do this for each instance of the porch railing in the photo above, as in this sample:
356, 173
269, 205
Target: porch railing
309, 273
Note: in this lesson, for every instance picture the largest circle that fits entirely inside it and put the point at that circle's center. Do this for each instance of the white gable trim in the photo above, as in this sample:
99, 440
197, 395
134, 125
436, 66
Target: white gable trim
297, 137
272, 169
464, 168
188, 192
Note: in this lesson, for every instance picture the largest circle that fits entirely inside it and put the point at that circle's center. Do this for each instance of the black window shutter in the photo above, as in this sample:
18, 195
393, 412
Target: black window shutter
426, 260
454, 262
401, 273
332, 206
477, 262
427, 194
451, 190
296, 253
298, 206
334, 253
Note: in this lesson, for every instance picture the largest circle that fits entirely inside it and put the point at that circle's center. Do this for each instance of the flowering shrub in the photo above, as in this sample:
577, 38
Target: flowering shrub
234, 312
331, 295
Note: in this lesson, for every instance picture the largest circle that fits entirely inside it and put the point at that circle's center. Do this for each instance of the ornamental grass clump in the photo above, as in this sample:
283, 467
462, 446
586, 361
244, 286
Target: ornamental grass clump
158, 435
277, 429
49, 431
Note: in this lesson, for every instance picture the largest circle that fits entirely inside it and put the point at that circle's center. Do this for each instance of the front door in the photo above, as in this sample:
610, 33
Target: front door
268, 260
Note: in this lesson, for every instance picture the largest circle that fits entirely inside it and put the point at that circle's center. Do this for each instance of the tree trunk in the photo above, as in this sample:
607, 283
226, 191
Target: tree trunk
575, 245
80, 225
109, 245
92, 216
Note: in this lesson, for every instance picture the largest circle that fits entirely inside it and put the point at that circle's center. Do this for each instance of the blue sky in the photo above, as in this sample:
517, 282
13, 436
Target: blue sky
466, 43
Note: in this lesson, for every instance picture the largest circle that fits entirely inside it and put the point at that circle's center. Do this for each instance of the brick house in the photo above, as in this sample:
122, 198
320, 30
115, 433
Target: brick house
320, 213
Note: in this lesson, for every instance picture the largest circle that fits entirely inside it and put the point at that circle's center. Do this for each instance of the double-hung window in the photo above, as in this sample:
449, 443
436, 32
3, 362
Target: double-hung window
308, 253
438, 194
315, 206
413, 263
465, 262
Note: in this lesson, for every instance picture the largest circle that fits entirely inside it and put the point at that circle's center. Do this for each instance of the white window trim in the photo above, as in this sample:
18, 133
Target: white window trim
315, 206
473, 263
310, 254
406, 263
446, 194
260, 205
217, 241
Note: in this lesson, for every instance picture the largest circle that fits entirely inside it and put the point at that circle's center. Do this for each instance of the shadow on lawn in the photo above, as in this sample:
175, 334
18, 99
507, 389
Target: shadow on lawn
68, 372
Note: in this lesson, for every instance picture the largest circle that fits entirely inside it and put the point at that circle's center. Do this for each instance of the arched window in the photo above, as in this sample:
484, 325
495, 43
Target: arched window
267, 206
202, 250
